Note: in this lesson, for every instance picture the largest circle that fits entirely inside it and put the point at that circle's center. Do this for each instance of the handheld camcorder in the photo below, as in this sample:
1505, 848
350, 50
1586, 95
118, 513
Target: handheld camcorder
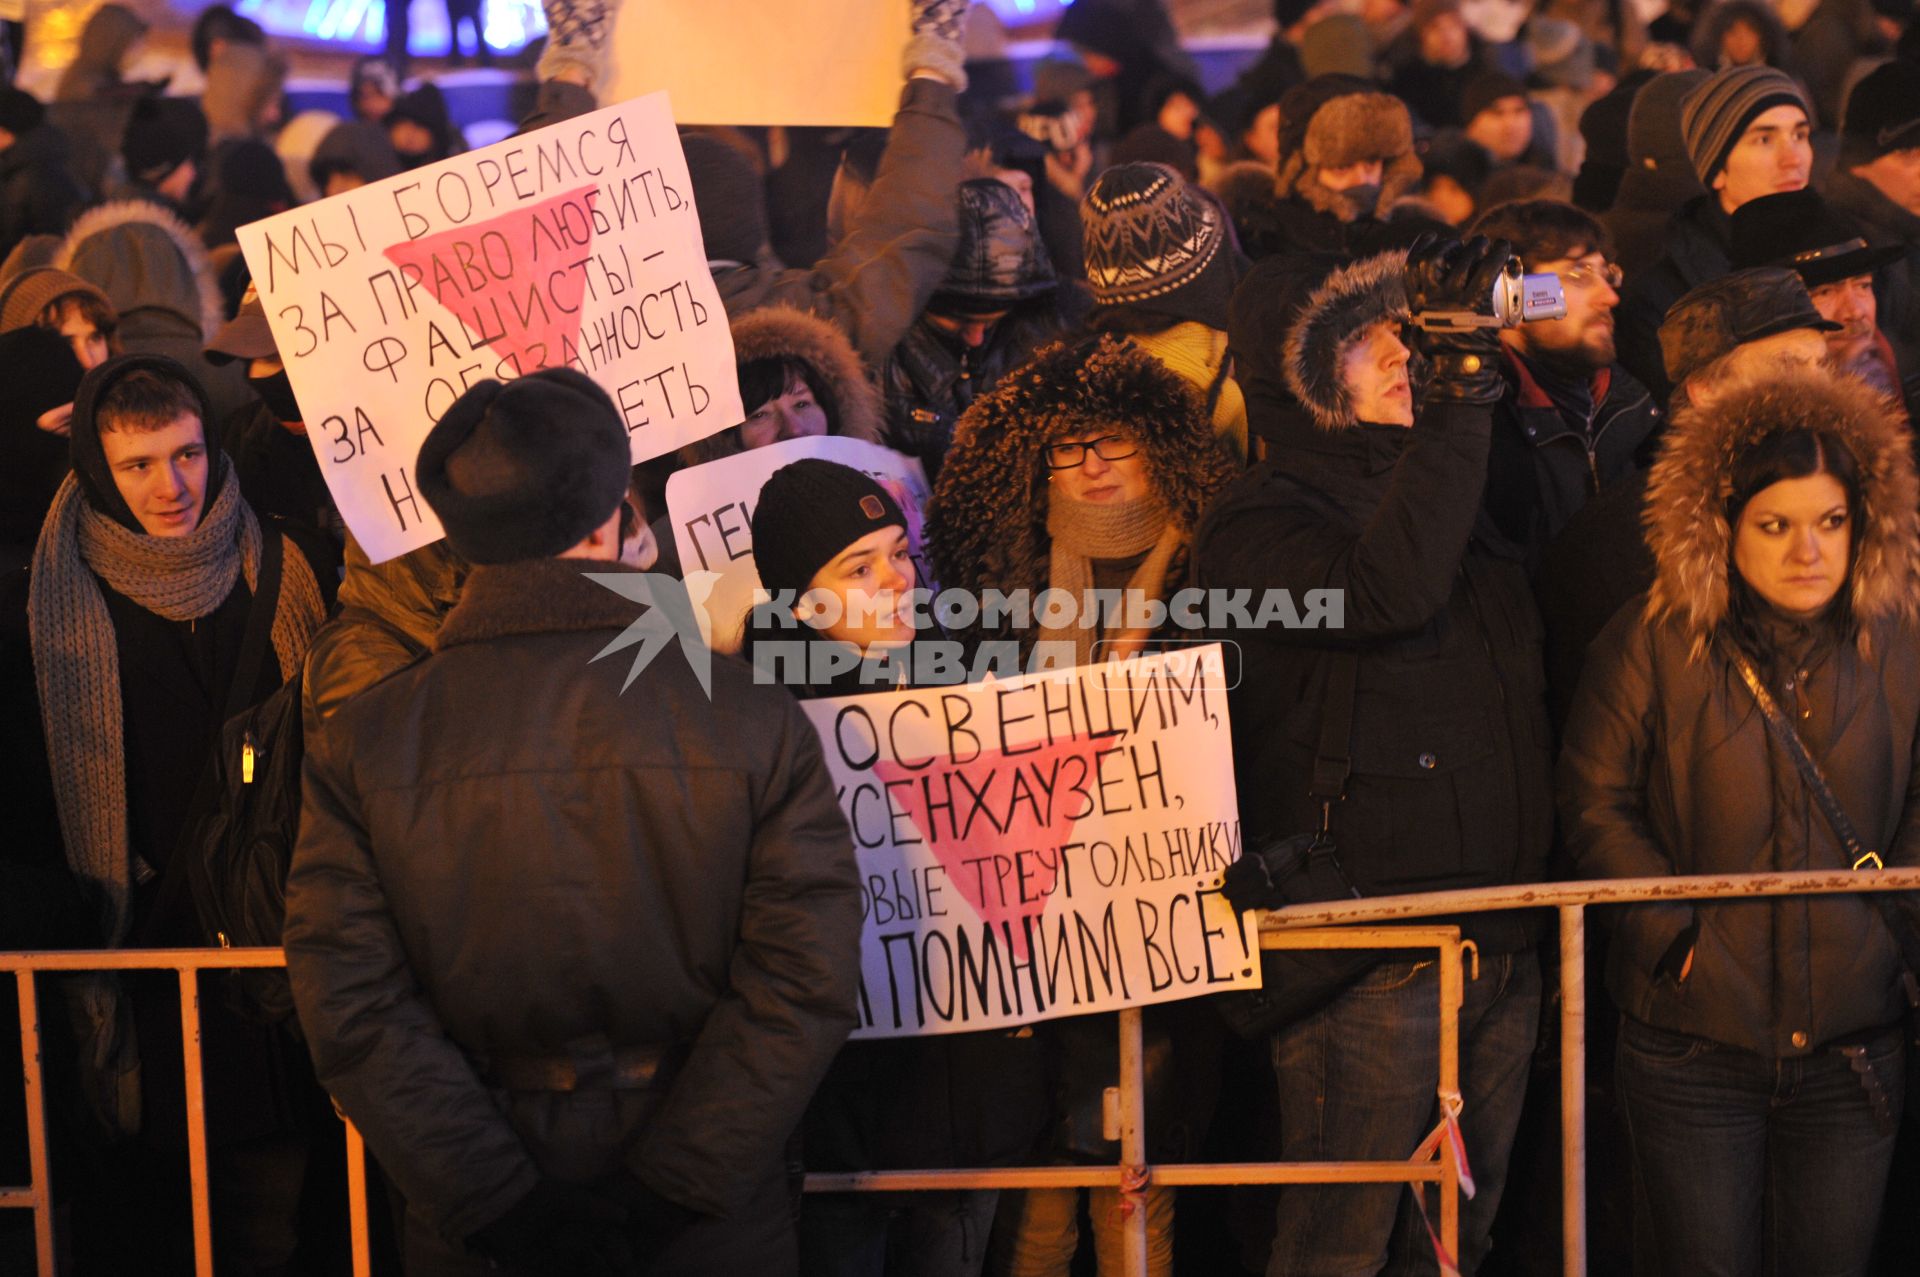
1518, 298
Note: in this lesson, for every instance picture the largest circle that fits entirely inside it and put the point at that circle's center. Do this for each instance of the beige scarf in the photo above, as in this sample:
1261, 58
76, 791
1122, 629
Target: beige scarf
1084, 531
76, 662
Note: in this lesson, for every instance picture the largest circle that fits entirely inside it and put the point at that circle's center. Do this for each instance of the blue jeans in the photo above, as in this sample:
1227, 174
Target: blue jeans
1747, 1161
1357, 1083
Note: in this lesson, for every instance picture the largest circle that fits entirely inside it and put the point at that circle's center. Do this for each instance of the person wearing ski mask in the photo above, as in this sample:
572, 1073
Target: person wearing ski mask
276, 463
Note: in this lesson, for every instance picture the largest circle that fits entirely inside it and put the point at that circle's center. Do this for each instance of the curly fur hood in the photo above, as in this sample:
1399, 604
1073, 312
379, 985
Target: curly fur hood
782, 332
1687, 491
1346, 304
1350, 129
987, 527
144, 258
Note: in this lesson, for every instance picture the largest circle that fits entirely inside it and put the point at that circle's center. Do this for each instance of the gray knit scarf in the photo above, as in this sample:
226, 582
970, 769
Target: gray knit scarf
76, 661
1083, 531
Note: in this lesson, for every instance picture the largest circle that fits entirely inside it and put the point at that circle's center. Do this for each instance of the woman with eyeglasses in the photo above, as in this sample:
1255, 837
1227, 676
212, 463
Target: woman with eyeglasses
1087, 470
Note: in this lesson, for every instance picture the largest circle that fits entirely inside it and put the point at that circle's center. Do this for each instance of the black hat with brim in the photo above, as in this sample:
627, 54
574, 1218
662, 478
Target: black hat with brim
1800, 231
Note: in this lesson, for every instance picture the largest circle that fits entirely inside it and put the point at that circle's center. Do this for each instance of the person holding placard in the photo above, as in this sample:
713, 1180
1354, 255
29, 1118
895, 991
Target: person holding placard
1087, 469
573, 961
838, 538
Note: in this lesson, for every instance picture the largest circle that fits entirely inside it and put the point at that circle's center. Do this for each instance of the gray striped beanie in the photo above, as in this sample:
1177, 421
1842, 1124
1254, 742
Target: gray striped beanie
1718, 111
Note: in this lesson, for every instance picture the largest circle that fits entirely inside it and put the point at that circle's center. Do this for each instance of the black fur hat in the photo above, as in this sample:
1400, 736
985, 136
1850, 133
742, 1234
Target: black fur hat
527, 469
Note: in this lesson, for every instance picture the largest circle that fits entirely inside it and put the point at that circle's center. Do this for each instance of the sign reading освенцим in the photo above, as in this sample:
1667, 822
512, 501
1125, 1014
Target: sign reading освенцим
1041, 846
573, 246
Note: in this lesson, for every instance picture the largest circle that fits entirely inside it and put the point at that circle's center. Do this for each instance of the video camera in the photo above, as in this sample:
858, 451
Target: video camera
1518, 298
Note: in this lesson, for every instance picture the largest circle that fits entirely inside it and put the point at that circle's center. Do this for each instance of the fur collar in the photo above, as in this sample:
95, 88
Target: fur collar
772, 332
1345, 304
203, 308
1686, 520
539, 596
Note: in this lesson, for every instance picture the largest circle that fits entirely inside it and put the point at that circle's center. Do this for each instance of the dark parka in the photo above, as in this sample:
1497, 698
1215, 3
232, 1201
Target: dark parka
1699, 240
1450, 784
1897, 284
1668, 767
1547, 463
515, 859
877, 279
38, 192
389, 613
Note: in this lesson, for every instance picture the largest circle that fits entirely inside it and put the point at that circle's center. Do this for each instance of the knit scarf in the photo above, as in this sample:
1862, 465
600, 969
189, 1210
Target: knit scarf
76, 662
1084, 531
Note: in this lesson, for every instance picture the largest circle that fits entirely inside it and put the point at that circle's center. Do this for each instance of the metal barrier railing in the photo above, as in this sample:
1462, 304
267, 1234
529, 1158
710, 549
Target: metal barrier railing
1318, 926
1132, 1173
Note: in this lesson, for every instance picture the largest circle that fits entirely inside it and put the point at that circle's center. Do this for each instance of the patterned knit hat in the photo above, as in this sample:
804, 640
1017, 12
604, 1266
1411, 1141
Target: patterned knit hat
1714, 115
1153, 240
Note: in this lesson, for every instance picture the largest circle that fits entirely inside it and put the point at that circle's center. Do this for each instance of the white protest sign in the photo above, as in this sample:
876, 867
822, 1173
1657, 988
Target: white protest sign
712, 507
574, 246
834, 63
1042, 846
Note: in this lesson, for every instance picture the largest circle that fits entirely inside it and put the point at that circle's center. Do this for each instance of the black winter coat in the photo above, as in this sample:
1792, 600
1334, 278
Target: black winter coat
1699, 247
1545, 466
501, 855
928, 381
1450, 784
38, 194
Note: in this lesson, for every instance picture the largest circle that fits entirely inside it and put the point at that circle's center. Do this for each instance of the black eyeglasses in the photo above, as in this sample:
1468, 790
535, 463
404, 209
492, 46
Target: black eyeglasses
1065, 456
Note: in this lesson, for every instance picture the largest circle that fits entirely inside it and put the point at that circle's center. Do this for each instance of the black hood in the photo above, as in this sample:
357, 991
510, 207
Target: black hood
90, 459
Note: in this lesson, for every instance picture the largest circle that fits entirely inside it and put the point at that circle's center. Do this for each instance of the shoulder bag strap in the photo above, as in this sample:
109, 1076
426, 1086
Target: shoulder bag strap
1862, 856
259, 631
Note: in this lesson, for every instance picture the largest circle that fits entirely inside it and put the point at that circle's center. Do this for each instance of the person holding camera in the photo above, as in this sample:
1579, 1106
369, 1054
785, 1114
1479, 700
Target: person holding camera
1757, 711
1375, 491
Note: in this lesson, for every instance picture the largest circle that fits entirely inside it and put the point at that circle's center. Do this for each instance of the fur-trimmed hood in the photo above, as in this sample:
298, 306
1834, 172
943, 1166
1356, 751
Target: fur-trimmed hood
1344, 305
144, 258
987, 526
783, 332
1687, 490
1351, 129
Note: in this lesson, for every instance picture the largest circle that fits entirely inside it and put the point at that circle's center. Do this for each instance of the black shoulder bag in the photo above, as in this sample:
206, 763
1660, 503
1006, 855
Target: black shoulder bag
1296, 870
1905, 936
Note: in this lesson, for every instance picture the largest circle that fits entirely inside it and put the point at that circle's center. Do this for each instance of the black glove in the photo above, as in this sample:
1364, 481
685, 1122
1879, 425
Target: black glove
562, 1230
1463, 364
653, 1221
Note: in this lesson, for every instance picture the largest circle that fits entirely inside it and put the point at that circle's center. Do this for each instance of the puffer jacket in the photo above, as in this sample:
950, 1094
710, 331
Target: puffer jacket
877, 279
1699, 240
388, 615
1450, 783
503, 856
155, 272
1668, 767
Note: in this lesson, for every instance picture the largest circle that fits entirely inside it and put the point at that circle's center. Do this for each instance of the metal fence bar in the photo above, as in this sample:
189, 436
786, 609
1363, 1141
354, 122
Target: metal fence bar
1573, 1090
1453, 996
39, 1192
1133, 1143
196, 1124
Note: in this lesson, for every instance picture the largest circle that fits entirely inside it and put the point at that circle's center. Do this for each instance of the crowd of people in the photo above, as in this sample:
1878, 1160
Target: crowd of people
1628, 589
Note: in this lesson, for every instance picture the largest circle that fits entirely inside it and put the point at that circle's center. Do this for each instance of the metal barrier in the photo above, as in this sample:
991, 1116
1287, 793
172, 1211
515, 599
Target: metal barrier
1319, 926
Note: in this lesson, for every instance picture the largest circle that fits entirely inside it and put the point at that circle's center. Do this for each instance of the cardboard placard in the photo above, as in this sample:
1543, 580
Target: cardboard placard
576, 246
712, 505
1042, 846
832, 63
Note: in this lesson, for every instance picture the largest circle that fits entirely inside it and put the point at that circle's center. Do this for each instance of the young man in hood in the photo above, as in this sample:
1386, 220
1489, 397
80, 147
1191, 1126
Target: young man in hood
1572, 420
1375, 491
138, 601
652, 953
1746, 130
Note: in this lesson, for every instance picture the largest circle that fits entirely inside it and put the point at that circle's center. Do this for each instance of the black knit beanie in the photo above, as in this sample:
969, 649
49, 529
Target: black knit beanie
808, 513
162, 134
83, 438
525, 469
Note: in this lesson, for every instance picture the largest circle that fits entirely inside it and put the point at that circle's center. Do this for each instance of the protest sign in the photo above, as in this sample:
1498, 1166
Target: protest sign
1042, 846
711, 507
574, 246
834, 63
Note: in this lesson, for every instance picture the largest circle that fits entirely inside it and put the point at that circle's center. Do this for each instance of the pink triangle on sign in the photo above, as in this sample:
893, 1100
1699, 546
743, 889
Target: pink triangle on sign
515, 282
1067, 768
